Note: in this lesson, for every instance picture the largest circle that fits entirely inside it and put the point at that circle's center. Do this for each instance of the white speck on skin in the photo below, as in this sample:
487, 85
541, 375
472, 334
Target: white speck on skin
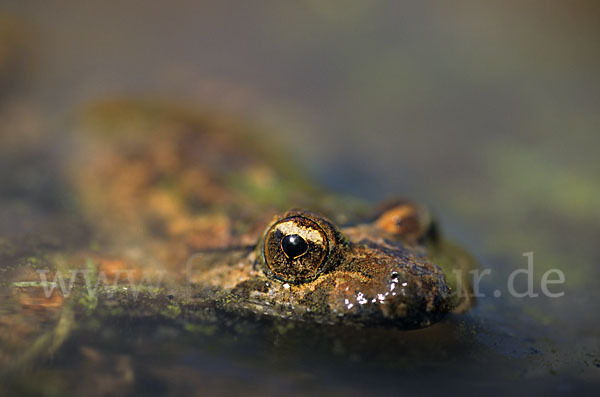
360, 298
286, 286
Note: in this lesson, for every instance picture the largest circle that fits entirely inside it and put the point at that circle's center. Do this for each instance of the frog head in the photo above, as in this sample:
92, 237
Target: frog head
378, 271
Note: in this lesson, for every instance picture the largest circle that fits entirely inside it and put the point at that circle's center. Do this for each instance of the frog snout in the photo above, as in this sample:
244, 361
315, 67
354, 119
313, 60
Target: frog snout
414, 298
410, 295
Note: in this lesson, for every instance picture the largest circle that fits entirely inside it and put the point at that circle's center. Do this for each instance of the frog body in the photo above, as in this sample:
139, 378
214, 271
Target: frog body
177, 216
200, 203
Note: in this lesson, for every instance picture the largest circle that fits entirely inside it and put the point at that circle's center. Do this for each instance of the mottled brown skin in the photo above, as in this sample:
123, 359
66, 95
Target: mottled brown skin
156, 188
368, 276
171, 188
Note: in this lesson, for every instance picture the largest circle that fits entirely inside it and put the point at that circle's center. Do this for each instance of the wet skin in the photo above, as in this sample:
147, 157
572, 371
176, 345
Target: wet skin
154, 188
210, 207
305, 267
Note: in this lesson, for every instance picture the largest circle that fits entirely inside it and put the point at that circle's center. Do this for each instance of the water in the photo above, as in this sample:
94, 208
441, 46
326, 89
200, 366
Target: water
487, 112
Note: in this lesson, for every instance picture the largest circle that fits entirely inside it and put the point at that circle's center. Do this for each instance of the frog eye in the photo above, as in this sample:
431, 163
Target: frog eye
405, 219
295, 249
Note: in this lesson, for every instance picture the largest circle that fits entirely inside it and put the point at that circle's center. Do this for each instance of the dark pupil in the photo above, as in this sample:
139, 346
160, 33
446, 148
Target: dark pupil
294, 246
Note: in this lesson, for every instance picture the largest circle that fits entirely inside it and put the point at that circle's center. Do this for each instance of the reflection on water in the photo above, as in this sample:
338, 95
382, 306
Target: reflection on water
487, 112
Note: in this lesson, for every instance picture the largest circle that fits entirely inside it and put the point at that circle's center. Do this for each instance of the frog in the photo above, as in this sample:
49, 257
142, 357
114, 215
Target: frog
189, 217
254, 233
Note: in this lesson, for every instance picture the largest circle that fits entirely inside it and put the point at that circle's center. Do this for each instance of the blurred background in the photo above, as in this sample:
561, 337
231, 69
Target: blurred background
489, 112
